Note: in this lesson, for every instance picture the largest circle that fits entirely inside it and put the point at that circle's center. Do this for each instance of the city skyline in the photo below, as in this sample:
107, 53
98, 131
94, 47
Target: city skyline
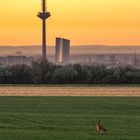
88, 22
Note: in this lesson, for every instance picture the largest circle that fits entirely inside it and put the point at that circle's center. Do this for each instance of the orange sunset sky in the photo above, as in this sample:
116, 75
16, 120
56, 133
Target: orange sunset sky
107, 22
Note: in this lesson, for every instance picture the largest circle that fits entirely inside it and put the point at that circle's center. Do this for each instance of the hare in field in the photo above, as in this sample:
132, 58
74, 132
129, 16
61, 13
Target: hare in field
100, 128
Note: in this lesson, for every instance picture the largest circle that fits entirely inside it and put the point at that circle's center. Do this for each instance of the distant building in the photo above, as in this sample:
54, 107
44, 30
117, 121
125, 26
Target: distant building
112, 60
14, 60
100, 59
62, 51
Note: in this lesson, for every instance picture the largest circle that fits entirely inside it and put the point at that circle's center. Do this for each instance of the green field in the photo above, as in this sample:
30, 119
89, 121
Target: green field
69, 118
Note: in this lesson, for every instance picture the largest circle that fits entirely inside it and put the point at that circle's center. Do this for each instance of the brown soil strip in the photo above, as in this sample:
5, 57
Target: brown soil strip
70, 91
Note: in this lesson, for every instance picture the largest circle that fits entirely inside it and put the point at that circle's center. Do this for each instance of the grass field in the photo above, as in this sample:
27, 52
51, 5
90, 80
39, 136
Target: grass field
69, 118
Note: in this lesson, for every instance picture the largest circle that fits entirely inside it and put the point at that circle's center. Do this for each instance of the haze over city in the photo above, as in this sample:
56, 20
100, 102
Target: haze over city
103, 22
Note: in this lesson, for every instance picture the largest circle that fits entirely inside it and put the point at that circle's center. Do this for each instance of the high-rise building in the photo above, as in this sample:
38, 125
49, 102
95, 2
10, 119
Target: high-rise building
43, 16
62, 51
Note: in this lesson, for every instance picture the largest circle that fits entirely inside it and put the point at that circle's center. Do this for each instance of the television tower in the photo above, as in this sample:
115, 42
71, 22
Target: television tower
44, 15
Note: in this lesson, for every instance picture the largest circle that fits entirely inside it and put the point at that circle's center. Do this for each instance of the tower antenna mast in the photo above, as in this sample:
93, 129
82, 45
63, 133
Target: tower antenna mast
44, 15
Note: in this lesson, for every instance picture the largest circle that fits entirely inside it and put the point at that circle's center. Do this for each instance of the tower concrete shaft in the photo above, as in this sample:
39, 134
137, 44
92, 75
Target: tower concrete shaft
43, 16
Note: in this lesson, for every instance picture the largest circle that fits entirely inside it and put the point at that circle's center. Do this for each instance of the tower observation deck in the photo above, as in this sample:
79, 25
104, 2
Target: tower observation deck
44, 15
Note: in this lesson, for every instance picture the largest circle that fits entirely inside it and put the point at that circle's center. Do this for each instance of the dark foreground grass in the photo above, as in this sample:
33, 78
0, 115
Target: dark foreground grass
69, 118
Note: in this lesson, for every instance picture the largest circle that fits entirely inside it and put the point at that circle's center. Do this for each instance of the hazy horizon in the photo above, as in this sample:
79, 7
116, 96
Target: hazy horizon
82, 49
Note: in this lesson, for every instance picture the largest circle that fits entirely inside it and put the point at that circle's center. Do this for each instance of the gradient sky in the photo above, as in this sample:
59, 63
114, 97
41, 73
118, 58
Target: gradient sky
107, 22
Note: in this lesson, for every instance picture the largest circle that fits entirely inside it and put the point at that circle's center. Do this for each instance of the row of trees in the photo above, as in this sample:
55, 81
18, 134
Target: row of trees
48, 73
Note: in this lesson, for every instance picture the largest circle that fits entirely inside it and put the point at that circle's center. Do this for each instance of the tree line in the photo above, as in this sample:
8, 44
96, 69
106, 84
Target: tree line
44, 72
